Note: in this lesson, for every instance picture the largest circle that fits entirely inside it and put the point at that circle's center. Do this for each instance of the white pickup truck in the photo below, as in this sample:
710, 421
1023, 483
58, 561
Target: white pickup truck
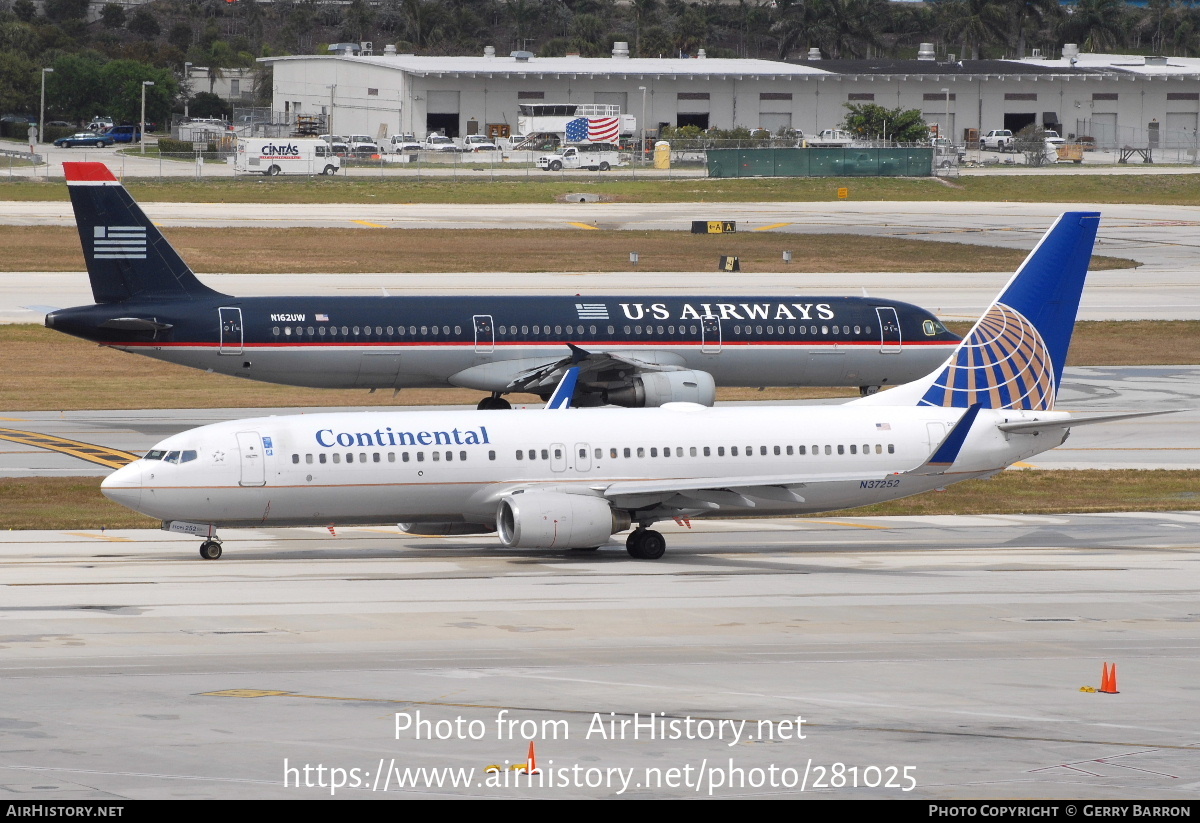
996, 140
831, 139
591, 156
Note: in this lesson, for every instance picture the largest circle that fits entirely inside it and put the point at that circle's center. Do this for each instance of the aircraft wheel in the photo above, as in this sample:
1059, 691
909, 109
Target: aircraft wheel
868, 390
493, 402
271, 172
645, 544
604, 167
210, 550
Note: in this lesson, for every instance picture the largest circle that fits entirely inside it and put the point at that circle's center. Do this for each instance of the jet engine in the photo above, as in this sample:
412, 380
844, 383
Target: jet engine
444, 528
553, 520
652, 389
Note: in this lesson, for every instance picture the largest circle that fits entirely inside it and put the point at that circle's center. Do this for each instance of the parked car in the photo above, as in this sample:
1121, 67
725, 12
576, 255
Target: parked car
996, 140
478, 142
403, 143
364, 150
440, 142
100, 123
124, 134
84, 138
1052, 136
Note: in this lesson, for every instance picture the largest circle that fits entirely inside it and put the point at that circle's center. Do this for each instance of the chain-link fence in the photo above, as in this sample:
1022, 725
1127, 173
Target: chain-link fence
1175, 141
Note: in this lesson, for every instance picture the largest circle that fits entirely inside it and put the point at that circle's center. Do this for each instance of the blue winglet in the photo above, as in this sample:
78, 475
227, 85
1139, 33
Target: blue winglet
561, 399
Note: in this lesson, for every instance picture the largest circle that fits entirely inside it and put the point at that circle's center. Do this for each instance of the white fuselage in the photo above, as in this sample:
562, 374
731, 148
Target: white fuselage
434, 466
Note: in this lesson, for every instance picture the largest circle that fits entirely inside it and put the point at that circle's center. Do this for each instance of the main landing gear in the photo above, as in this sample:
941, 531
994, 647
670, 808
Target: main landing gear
211, 549
493, 402
645, 544
866, 391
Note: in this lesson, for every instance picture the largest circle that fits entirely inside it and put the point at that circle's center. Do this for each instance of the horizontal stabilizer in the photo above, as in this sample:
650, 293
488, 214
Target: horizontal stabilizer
1039, 426
135, 324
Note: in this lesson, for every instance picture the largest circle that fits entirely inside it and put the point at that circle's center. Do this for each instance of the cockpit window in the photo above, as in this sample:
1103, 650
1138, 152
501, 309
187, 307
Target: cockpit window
933, 328
187, 456
172, 457
154, 454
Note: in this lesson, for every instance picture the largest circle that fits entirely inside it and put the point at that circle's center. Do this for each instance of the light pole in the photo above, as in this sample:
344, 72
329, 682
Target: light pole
187, 87
329, 125
642, 151
42, 108
951, 138
142, 133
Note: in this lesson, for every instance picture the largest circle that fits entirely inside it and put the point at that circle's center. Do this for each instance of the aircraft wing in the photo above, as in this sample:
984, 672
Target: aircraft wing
722, 492
594, 368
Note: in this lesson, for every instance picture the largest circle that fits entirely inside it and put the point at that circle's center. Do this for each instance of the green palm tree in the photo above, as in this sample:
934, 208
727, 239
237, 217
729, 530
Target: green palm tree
1096, 25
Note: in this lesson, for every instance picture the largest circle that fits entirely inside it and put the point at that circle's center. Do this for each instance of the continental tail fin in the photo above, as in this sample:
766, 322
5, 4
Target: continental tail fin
127, 256
1013, 358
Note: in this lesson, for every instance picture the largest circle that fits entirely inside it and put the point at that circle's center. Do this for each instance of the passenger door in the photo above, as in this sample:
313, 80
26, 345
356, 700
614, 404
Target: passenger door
889, 330
231, 331
710, 335
485, 334
252, 458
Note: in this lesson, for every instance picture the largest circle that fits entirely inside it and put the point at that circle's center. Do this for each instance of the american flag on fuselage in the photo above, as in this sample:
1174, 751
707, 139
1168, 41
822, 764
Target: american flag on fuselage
595, 129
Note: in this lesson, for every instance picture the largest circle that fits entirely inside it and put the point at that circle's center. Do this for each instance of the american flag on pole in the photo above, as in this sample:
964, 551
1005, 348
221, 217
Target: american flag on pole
594, 129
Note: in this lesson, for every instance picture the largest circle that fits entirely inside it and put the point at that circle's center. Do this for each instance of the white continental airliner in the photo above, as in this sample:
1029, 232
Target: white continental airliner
548, 479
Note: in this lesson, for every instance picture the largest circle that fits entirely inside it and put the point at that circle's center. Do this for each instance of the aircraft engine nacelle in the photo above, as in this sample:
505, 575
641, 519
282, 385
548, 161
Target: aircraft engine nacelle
653, 389
442, 529
552, 520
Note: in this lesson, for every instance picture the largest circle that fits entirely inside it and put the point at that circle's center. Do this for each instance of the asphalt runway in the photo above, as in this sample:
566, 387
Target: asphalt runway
943, 655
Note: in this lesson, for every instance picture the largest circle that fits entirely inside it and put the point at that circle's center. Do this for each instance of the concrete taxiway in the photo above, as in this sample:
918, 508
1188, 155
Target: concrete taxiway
944, 655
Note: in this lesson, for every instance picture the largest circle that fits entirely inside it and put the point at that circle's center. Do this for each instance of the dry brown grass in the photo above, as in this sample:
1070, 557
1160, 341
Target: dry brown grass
338, 251
76, 502
48, 370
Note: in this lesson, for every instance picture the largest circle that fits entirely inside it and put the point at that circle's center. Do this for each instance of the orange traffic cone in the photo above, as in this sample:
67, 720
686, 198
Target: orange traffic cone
531, 761
1108, 680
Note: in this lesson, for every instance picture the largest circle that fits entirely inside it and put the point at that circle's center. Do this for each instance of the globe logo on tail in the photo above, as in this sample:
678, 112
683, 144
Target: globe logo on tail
1002, 364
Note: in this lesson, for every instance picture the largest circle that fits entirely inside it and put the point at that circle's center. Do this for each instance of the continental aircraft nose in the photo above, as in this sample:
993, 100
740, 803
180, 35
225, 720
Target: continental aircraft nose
124, 486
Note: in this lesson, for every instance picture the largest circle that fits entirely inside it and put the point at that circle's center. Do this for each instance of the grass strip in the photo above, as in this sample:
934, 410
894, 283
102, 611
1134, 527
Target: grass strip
359, 250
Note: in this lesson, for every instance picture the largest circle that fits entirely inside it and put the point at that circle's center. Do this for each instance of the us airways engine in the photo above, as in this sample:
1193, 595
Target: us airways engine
653, 389
552, 520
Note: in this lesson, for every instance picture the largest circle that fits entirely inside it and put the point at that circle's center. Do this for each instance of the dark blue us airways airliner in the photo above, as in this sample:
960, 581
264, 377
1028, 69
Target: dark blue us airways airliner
632, 351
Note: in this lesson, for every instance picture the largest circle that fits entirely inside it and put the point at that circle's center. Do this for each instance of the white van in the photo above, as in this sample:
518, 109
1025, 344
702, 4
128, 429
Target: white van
259, 155
592, 156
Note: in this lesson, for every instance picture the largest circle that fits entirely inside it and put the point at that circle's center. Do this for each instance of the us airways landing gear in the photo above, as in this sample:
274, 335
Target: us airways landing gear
211, 549
493, 402
868, 390
645, 544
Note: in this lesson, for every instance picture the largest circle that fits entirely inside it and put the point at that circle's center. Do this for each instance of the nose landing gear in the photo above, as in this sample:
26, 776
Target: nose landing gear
211, 549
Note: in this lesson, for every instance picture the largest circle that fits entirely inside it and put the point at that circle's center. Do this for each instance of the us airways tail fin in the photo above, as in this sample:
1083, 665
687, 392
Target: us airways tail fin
127, 256
1013, 358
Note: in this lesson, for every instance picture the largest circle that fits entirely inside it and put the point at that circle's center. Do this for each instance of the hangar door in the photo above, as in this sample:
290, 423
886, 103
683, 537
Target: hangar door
441, 112
1181, 130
